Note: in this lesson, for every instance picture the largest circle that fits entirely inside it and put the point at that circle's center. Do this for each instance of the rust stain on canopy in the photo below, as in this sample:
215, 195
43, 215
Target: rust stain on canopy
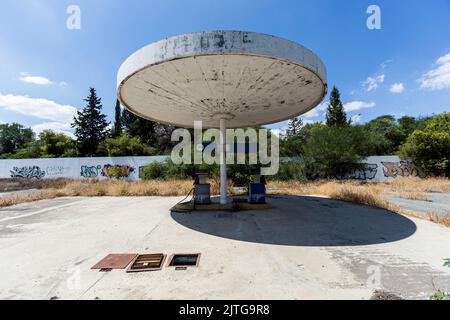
252, 78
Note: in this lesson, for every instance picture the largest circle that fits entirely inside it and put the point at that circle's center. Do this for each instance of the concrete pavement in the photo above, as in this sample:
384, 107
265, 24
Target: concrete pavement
303, 248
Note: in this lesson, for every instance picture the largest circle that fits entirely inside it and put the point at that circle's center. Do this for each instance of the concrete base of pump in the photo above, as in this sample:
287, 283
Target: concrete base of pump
237, 204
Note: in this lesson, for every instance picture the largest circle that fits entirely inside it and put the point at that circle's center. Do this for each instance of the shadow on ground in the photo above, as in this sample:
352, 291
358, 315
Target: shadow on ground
303, 221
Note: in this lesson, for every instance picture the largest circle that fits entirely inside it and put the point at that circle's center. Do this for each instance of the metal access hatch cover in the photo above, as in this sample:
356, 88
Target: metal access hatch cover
115, 261
184, 260
147, 262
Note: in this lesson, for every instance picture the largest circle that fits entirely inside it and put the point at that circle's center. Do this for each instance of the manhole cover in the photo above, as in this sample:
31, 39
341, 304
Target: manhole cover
115, 261
184, 260
147, 262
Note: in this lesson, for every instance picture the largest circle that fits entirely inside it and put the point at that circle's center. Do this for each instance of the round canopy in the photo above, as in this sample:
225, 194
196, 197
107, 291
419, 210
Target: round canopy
247, 78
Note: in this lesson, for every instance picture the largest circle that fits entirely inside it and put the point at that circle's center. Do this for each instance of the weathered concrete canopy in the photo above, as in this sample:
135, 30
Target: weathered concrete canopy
247, 78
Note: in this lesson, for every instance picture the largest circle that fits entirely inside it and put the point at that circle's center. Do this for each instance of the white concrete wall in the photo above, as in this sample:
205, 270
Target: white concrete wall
74, 168
379, 168
384, 168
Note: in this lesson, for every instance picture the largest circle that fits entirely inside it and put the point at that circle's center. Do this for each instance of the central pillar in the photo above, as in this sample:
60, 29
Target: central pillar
223, 162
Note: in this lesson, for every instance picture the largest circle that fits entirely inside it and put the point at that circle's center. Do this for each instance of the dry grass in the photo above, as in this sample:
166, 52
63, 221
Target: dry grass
414, 196
370, 194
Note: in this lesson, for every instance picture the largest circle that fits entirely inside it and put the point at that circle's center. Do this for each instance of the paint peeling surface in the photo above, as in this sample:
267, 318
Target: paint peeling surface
253, 78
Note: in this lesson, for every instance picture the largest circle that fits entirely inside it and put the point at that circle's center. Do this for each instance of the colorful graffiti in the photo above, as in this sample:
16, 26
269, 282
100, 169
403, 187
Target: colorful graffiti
27, 172
400, 169
117, 171
368, 173
90, 171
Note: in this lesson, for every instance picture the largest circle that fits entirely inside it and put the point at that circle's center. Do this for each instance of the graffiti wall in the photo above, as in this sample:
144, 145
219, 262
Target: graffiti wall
76, 168
384, 168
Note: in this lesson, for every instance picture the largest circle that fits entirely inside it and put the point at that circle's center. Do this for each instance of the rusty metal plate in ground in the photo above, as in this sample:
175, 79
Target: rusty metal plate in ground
183, 260
147, 262
115, 261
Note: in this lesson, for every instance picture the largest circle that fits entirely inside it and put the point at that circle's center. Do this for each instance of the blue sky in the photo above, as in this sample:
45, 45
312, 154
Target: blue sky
46, 69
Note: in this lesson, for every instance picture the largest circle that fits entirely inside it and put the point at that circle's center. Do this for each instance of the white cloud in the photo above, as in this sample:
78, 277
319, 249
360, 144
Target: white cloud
372, 83
438, 78
358, 105
397, 88
54, 126
38, 108
38, 80
356, 118
316, 112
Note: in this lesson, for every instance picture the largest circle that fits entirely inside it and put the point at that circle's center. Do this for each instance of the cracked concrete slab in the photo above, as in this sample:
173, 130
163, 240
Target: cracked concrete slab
303, 248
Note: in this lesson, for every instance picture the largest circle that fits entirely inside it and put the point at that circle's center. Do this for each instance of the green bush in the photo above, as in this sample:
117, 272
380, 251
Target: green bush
168, 170
440, 296
293, 170
430, 148
331, 152
153, 171
124, 145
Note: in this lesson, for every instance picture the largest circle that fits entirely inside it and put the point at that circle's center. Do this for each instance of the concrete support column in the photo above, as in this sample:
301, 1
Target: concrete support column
223, 162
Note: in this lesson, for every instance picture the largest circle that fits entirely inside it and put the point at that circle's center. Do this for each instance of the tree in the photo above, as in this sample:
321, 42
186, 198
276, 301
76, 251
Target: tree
56, 145
124, 145
294, 127
336, 115
390, 135
152, 133
14, 137
430, 148
90, 125
117, 128
331, 152
138, 127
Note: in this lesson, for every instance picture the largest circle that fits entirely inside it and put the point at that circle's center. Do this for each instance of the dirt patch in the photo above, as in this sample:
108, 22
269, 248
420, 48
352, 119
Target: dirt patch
383, 295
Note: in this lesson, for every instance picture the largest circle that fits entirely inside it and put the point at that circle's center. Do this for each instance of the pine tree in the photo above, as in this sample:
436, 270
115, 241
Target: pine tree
90, 125
294, 127
118, 126
336, 115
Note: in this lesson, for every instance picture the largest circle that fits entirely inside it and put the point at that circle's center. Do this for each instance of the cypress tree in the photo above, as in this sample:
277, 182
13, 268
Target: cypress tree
90, 125
336, 115
117, 128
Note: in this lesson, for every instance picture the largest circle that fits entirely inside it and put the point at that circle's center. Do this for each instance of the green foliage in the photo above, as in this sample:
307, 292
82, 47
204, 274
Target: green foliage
14, 137
90, 125
117, 128
293, 146
331, 152
430, 148
389, 134
241, 174
55, 145
124, 145
292, 170
152, 133
440, 295
336, 115
167, 170
447, 263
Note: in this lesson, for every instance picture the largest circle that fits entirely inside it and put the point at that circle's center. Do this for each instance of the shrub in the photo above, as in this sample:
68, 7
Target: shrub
331, 152
153, 171
293, 170
430, 148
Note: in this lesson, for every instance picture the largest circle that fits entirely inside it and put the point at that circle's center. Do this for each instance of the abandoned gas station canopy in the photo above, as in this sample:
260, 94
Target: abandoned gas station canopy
247, 78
